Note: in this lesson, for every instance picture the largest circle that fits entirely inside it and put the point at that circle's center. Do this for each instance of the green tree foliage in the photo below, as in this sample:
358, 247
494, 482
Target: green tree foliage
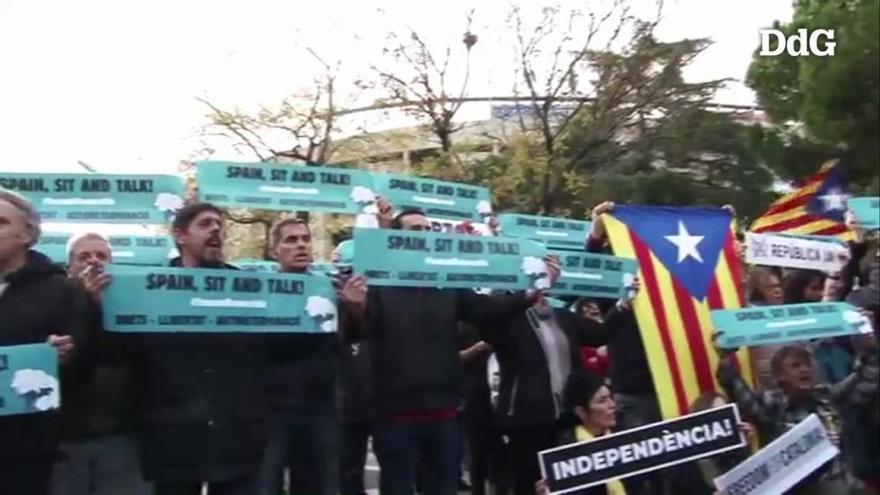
836, 98
647, 137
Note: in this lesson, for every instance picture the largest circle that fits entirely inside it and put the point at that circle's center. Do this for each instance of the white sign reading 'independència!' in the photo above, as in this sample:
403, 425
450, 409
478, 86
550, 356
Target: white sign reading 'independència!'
795, 252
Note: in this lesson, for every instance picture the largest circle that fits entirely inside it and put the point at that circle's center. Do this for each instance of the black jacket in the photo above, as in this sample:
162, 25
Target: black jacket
413, 338
627, 357
304, 367
628, 362
99, 398
353, 387
202, 404
476, 391
525, 397
39, 301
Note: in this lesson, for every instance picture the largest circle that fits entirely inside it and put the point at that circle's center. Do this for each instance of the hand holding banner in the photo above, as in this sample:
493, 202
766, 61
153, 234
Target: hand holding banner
787, 323
286, 187
100, 198
781, 464
28, 379
558, 233
594, 275
791, 251
425, 259
141, 299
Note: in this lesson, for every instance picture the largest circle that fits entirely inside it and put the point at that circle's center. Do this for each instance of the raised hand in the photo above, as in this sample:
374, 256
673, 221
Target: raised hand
93, 281
627, 302
722, 353
553, 268
385, 213
354, 293
598, 229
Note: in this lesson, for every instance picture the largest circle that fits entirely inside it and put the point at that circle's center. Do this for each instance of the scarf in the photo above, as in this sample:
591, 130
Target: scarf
612, 487
556, 349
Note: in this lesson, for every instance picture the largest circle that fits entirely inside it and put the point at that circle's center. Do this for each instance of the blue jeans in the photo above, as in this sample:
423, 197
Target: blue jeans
307, 445
106, 466
402, 446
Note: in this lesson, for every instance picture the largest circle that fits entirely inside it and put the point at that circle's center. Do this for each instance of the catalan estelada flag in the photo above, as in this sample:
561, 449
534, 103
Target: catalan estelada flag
816, 207
687, 267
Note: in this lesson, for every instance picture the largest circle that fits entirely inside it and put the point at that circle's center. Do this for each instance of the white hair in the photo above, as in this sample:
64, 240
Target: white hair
31, 215
75, 239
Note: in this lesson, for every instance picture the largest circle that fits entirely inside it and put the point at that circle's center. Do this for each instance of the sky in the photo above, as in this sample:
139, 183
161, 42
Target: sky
114, 84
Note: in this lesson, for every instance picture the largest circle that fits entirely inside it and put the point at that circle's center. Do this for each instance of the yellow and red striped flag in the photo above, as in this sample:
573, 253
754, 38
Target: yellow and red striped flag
687, 267
817, 207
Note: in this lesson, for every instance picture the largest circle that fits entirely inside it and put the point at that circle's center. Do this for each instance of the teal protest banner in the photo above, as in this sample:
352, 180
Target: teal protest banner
760, 325
255, 265
28, 379
151, 250
594, 275
142, 299
427, 259
54, 246
867, 211
558, 233
436, 198
286, 187
100, 198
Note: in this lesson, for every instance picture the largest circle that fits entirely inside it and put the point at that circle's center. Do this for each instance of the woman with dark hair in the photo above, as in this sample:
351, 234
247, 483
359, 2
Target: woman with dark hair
764, 287
589, 400
803, 286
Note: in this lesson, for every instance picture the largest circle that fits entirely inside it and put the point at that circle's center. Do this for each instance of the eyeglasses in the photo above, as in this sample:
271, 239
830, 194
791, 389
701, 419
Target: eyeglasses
422, 228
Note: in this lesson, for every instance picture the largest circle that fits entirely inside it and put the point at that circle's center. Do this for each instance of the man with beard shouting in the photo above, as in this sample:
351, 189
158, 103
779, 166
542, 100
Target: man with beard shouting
202, 395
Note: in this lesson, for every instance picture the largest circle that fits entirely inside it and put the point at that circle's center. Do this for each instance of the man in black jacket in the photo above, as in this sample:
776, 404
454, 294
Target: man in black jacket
303, 429
98, 452
202, 395
417, 374
37, 304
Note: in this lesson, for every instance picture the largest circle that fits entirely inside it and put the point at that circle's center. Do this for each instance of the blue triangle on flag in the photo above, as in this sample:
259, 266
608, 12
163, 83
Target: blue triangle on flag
829, 200
687, 241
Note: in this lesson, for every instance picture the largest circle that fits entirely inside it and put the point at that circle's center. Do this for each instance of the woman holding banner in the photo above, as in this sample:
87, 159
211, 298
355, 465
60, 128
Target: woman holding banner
592, 404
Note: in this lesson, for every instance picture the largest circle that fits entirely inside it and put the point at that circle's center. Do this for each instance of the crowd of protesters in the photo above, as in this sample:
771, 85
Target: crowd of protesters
438, 382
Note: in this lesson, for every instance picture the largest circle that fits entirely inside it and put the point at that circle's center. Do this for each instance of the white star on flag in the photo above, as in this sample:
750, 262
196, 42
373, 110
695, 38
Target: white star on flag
834, 200
686, 243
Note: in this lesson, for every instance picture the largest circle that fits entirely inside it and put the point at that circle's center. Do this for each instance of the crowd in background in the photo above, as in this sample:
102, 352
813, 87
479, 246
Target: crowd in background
452, 389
